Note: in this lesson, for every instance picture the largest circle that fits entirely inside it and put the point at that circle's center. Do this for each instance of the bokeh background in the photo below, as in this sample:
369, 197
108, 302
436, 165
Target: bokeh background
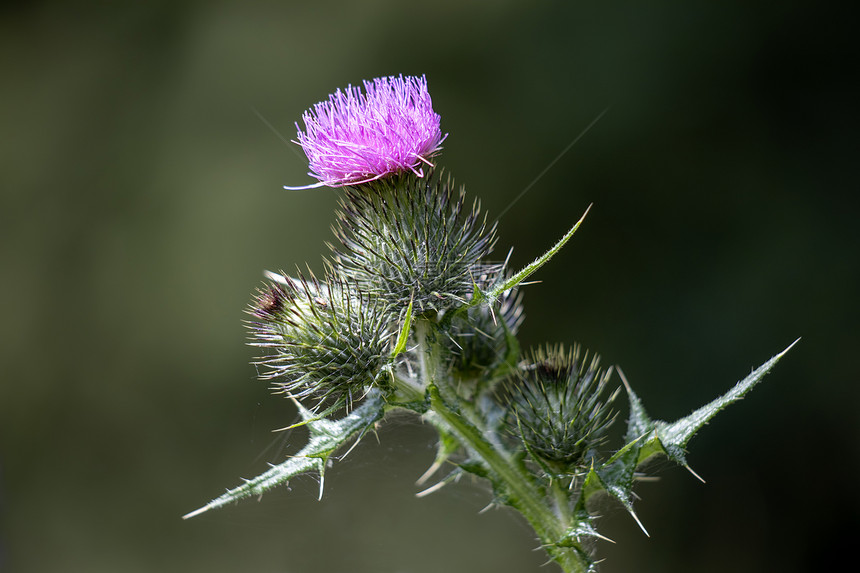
141, 198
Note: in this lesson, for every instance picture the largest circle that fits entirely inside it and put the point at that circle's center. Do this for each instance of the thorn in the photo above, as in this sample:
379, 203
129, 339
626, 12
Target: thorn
352, 447
639, 523
197, 512
487, 508
790, 346
697, 476
587, 209
508, 258
603, 537
623, 378
431, 489
430, 471
290, 427
322, 484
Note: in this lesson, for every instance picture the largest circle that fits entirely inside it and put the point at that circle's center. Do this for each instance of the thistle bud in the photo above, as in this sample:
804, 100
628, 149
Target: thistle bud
556, 407
482, 341
328, 341
413, 239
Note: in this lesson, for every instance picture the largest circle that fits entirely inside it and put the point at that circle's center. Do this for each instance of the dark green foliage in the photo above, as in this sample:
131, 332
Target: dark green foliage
413, 239
416, 319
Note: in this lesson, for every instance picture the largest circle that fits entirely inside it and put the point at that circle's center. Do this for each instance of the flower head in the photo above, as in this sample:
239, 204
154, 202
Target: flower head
357, 137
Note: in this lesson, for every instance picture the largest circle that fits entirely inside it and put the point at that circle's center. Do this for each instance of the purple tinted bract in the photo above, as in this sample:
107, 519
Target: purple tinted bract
357, 137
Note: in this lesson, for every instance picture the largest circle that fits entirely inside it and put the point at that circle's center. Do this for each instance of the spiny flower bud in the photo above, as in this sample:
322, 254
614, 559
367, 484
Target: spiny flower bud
556, 407
481, 341
329, 341
409, 239
357, 137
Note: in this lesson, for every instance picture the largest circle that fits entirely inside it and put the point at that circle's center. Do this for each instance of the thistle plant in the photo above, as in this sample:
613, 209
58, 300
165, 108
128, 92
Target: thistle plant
414, 314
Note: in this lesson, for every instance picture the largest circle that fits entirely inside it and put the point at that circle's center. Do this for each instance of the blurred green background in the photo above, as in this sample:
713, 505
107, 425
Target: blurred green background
141, 198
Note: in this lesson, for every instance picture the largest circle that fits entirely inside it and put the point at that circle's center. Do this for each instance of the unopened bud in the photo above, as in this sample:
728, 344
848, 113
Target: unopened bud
557, 408
328, 340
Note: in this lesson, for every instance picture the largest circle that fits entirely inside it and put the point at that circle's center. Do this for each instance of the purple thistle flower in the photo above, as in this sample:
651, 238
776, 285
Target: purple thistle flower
357, 137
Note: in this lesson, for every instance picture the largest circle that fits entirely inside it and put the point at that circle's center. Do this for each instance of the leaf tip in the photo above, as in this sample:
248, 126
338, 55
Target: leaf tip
624, 379
790, 346
581, 219
197, 512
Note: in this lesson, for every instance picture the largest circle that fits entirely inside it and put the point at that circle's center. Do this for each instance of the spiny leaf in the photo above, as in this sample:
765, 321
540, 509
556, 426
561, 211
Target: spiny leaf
638, 423
326, 436
640, 429
529, 269
647, 438
617, 472
615, 477
675, 436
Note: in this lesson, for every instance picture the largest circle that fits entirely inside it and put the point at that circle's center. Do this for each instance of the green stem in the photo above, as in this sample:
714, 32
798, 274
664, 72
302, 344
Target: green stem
561, 497
550, 518
525, 495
